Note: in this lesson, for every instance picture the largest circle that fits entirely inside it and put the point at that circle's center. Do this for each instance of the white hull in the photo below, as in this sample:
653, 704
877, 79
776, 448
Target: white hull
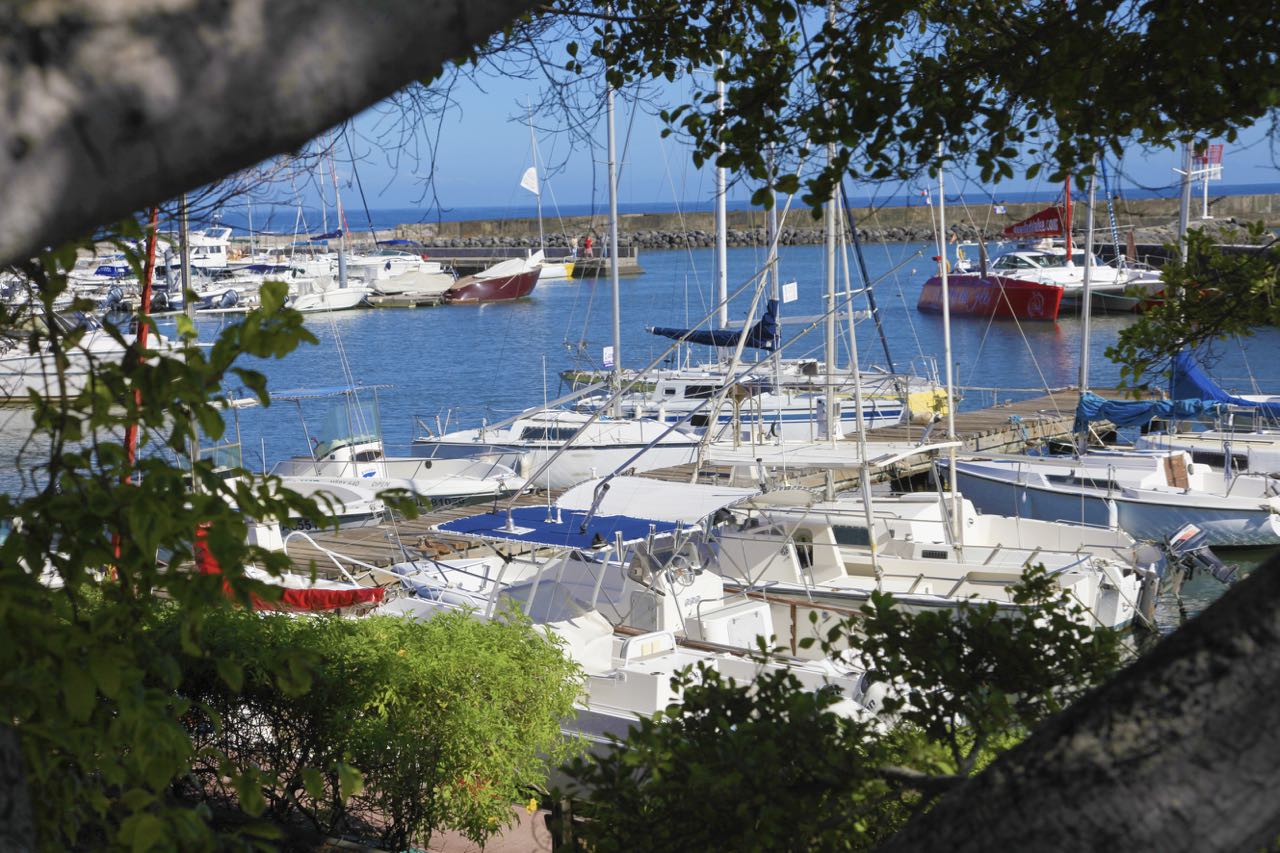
1227, 520
334, 299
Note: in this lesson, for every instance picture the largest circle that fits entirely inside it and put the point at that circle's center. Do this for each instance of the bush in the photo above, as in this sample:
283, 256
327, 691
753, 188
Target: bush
380, 728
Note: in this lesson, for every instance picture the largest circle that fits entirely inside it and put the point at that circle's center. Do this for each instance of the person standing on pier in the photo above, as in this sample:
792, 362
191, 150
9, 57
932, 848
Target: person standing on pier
586, 246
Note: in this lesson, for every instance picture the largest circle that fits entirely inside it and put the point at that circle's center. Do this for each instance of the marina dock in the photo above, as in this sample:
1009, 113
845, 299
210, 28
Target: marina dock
1003, 428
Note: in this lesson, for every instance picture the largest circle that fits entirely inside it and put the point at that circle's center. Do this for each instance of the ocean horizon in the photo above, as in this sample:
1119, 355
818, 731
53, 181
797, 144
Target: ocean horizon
282, 218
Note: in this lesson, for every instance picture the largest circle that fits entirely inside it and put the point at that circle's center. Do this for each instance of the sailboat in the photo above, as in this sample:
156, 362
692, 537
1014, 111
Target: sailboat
555, 448
552, 270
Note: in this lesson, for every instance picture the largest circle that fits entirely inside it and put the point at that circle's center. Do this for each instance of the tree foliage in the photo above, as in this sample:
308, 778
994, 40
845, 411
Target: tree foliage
999, 84
1211, 296
768, 766
385, 728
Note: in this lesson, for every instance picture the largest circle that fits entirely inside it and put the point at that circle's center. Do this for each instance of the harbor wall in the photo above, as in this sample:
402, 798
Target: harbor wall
1150, 218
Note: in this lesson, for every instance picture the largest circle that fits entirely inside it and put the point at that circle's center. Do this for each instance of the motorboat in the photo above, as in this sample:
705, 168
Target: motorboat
348, 448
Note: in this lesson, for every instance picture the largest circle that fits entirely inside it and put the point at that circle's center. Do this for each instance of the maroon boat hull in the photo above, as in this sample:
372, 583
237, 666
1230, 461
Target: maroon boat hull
473, 289
993, 296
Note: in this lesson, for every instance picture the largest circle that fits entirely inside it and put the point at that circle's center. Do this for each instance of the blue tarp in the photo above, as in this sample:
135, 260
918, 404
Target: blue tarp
332, 235
763, 335
1188, 379
1126, 413
531, 526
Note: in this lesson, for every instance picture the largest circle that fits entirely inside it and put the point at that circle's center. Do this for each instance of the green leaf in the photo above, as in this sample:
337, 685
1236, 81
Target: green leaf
350, 781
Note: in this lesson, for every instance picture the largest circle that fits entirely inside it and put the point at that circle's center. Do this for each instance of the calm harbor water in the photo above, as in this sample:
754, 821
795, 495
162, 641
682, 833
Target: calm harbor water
469, 363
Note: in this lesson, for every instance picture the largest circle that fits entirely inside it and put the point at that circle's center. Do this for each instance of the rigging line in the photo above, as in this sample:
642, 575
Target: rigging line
359, 186
684, 227
851, 226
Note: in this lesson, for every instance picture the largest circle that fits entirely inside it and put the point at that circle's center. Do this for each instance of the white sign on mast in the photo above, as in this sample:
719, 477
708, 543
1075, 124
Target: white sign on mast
1206, 166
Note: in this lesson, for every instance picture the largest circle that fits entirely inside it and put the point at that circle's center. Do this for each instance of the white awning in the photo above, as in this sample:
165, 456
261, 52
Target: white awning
660, 500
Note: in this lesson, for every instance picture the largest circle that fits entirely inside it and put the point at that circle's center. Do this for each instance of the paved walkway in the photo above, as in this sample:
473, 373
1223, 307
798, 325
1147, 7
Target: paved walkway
528, 834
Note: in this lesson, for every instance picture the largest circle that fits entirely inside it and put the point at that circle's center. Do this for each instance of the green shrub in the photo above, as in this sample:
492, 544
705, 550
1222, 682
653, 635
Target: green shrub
381, 727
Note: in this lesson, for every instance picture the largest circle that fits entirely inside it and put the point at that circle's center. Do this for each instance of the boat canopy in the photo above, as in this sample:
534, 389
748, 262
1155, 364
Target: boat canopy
632, 506
684, 502
563, 529
1188, 379
763, 335
1127, 413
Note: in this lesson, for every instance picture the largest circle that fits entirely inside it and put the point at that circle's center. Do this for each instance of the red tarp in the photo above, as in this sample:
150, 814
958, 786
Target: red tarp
314, 598
1046, 223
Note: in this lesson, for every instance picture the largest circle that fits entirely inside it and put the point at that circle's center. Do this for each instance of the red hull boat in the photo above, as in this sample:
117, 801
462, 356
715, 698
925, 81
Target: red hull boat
1000, 296
511, 279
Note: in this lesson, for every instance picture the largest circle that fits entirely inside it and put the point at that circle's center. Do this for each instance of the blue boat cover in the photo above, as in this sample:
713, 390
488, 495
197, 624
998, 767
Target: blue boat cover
531, 525
1188, 379
1126, 413
763, 335
331, 235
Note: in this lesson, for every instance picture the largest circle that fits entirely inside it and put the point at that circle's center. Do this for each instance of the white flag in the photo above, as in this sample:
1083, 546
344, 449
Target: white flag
607, 357
530, 180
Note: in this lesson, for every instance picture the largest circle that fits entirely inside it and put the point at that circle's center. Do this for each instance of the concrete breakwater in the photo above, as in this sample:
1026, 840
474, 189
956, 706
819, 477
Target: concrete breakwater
1149, 219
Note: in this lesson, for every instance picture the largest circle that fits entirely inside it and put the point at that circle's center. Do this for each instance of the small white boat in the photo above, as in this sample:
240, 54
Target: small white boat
310, 295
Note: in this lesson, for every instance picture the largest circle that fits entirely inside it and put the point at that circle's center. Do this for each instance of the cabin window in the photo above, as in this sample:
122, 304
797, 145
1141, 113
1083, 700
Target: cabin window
852, 536
669, 392
1086, 482
547, 433
368, 455
698, 392
934, 555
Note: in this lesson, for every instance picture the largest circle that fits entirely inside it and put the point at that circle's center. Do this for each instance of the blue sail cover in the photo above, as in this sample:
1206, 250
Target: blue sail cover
1188, 379
763, 335
1125, 413
529, 524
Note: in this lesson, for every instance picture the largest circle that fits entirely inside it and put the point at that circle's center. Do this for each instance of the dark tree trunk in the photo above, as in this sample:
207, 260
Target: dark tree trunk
107, 106
17, 823
1181, 751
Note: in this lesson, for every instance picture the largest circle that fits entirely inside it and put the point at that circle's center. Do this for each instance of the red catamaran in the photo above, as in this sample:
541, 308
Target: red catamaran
1002, 295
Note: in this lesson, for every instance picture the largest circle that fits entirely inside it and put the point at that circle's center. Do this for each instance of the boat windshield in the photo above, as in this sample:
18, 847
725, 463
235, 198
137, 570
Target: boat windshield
347, 423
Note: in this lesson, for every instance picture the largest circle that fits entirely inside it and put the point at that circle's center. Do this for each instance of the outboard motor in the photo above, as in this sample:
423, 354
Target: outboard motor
229, 299
1188, 551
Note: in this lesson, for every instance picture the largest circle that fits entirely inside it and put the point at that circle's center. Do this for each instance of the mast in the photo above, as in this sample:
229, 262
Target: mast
533, 140
1085, 313
957, 527
722, 225
1067, 193
864, 473
832, 421
1184, 205
775, 286
615, 375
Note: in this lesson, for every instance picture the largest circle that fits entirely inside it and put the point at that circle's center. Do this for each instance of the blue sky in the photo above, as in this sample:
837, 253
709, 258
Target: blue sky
483, 149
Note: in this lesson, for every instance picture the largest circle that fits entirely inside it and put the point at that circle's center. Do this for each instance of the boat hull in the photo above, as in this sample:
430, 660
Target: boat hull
497, 289
1224, 525
992, 296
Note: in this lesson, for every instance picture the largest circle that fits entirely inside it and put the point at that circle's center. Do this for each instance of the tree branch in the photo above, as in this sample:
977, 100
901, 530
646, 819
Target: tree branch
111, 106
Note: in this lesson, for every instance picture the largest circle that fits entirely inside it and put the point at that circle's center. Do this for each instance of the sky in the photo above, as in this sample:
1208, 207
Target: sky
483, 149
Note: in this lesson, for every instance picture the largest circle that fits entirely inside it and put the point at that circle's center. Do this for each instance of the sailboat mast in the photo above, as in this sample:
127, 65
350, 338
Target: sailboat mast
832, 420
775, 286
533, 141
958, 528
1067, 193
615, 375
1184, 203
722, 227
1085, 313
